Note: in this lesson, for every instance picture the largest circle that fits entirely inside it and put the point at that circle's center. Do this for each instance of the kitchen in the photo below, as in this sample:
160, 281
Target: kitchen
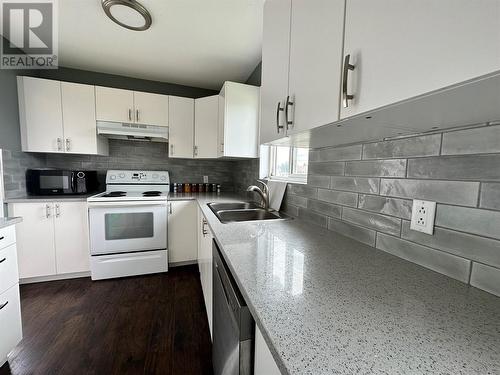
258, 187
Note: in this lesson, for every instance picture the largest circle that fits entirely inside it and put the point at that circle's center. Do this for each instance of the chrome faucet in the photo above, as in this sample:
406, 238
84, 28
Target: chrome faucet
263, 193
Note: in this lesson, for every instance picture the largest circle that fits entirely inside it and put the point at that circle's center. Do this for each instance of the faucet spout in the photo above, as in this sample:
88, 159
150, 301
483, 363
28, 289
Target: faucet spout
263, 193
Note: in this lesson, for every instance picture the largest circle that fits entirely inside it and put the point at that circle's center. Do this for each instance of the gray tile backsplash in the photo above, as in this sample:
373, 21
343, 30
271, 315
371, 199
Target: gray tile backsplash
130, 155
459, 169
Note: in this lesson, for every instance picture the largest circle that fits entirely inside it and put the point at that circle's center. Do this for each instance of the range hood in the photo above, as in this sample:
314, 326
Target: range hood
137, 132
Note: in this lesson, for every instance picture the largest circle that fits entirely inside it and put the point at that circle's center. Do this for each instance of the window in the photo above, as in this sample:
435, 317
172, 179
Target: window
288, 163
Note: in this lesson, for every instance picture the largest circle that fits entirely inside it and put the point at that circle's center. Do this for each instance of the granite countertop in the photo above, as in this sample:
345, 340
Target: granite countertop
50, 198
327, 304
8, 221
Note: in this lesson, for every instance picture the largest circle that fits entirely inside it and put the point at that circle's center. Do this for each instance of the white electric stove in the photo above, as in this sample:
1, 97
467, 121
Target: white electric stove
128, 225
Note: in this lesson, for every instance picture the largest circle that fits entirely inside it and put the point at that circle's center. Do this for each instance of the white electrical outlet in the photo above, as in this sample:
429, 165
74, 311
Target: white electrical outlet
205, 179
422, 216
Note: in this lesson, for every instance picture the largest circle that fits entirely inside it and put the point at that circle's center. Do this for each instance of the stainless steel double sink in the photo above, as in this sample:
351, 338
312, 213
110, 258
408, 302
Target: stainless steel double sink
243, 211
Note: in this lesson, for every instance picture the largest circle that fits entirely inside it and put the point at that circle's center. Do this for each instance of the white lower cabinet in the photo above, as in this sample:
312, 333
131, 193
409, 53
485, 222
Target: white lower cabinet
205, 239
182, 244
264, 361
10, 304
52, 239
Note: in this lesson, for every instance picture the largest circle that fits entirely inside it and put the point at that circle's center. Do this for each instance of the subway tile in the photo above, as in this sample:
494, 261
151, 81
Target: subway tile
436, 260
340, 153
303, 190
453, 192
376, 168
327, 168
313, 155
490, 196
382, 223
468, 246
357, 184
472, 141
296, 200
290, 209
318, 181
427, 145
313, 217
470, 220
466, 167
364, 235
388, 206
324, 208
486, 278
340, 197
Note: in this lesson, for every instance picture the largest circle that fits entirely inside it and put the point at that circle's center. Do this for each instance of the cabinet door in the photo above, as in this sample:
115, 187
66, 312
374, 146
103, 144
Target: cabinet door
241, 120
401, 49
78, 108
36, 253
200, 243
182, 241
181, 127
114, 105
10, 322
206, 116
264, 361
40, 115
275, 66
71, 237
208, 292
151, 109
315, 63
221, 120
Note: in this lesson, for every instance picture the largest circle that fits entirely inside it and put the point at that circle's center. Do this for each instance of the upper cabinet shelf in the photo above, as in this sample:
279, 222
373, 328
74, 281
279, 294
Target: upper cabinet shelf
408, 66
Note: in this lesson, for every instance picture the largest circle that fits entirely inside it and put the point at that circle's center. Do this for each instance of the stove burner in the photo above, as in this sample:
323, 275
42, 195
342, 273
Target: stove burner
151, 193
114, 194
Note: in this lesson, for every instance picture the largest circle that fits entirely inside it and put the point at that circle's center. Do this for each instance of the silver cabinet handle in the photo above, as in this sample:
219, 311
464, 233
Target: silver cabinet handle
170, 208
58, 210
203, 229
345, 76
68, 144
171, 149
278, 110
59, 144
129, 114
195, 150
222, 147
3, 305
137, 115
47, 211
288, 104
3, 260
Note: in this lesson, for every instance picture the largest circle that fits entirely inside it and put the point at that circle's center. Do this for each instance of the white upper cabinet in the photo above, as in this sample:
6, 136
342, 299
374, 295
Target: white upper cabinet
78, 110
58, 117
316, 38
239, 120
275, 66
150, 109
181, 127
402, 49
206, 116
40, 115
114, 105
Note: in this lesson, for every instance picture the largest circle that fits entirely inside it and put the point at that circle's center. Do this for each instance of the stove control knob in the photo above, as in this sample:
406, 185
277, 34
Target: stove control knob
122, 175
155, 176
112, 177
164, 178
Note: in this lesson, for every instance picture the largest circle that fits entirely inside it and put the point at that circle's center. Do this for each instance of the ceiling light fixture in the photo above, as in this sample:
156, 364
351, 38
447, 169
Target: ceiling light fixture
128, 13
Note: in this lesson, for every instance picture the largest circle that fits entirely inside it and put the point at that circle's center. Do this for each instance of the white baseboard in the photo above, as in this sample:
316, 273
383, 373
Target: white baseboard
184, 263
76, 275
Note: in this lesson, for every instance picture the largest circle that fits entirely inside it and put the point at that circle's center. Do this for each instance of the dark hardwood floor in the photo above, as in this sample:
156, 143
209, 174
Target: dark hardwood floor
141, 325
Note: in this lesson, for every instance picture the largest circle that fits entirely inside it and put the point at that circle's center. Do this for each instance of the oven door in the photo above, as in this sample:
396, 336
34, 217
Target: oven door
122, 227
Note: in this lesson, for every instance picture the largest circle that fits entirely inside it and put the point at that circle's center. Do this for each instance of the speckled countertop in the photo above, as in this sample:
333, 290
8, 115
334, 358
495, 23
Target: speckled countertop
327, 304
8, 221
50, 198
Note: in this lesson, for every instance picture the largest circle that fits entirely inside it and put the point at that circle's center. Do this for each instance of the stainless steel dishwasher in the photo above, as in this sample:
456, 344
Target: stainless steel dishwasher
233, 325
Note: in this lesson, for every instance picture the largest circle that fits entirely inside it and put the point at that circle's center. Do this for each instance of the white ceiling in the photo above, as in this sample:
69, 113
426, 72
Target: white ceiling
191, 42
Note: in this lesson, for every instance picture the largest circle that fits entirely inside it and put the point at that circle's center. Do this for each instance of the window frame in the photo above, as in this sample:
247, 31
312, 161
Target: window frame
291, 177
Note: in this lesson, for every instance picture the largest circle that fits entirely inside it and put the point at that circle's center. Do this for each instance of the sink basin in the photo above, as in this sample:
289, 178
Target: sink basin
232, 206
243, 211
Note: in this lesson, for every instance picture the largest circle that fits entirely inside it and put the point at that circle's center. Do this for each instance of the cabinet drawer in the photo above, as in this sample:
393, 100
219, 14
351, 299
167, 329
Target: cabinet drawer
10, 321
9, 275
7, 236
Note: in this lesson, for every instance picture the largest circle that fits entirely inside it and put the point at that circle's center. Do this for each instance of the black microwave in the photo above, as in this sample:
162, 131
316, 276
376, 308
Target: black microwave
56, 181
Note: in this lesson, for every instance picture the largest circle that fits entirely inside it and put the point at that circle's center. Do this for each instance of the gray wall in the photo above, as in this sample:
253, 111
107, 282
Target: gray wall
365, 192
256, 76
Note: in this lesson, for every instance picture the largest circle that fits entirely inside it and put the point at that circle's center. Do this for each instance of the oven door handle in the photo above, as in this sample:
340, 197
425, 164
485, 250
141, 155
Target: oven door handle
124, 204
